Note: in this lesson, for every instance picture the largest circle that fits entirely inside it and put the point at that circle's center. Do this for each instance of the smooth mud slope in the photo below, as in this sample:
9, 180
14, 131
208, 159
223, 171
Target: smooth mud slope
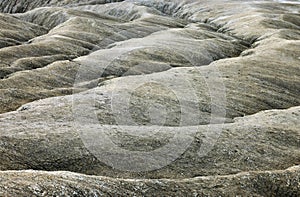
149, 97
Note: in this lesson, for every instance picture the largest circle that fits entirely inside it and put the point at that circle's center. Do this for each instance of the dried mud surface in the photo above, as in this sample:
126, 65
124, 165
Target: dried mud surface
214, 84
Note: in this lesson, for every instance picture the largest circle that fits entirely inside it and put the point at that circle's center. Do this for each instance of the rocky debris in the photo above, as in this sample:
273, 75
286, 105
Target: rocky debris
187, 97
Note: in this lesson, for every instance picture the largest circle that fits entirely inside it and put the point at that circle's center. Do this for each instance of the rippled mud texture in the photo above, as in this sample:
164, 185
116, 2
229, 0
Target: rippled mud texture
221, 76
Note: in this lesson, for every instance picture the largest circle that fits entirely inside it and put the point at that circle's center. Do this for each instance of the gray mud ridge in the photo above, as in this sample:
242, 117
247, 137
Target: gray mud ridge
149, 97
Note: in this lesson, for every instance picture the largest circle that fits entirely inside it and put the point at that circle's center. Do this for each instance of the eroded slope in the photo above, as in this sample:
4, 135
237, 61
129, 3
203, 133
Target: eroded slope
214, 84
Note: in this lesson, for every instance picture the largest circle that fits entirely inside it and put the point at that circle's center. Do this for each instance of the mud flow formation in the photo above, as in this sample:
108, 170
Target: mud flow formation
149, 98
